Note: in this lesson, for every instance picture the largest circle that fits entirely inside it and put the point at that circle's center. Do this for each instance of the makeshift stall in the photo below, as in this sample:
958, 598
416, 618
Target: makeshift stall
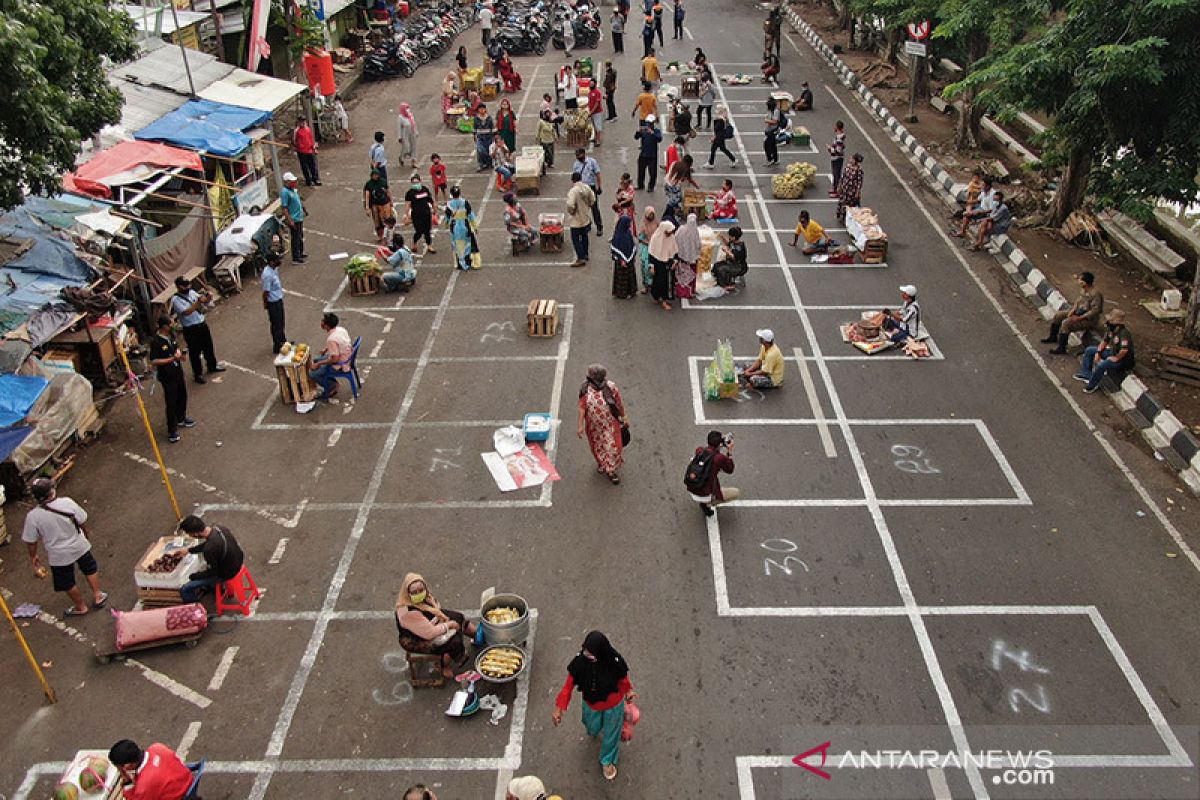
862, 225
550, 232
531, 166
163, 570
868, 335
720, 377
91, 775
41, 418
291, 368
795, 179
152, 627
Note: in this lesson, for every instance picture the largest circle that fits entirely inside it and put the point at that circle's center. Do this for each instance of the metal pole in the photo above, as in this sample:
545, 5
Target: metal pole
182, 50
916, 64
216, 20
37, 668
137, 392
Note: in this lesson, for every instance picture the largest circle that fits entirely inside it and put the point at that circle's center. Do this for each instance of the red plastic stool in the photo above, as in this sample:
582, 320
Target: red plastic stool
237, 594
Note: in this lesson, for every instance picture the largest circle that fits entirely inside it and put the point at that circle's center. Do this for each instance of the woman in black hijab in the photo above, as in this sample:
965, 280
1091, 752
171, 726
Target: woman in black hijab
602, 677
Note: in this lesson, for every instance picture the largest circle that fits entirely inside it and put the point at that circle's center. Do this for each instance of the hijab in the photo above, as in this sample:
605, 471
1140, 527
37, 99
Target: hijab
662, 244
687, 240
429, 605
406, 114
597, 378
649, 222
598, 679
623, 246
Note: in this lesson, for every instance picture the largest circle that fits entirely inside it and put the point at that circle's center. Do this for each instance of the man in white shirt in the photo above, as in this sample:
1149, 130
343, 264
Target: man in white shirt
335, 358
485, 23
981, 210
60, 525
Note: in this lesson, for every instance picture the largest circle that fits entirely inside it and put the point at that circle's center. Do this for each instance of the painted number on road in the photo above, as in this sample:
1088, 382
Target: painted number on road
395, 663
781, 547
1036, 697
499, 332
911, 459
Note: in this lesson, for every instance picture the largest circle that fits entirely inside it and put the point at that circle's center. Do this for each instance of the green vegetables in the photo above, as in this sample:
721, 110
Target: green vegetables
360, 265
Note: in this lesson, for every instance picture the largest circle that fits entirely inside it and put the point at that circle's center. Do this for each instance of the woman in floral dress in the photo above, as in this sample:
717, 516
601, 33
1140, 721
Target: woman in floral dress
601, 417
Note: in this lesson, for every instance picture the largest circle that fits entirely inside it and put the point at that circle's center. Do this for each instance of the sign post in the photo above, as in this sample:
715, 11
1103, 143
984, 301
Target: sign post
916, 48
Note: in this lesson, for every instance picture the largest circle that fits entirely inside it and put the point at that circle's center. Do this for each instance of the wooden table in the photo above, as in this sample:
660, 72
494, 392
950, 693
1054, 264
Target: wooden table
295, 384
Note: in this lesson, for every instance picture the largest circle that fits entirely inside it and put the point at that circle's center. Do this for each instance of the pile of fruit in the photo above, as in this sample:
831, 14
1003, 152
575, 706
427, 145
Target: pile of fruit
502, 615
167, 562
578, 120
792, 183
501, 662
298, 353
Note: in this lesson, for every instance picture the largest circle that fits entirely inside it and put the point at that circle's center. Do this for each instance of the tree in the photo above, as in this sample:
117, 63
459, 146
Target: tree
53, 90
1116, 77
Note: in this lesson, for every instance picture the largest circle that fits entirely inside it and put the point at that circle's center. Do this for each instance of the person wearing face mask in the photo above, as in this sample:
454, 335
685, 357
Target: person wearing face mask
602, 677
419, 208
425, 627
1112, 357
1082, 316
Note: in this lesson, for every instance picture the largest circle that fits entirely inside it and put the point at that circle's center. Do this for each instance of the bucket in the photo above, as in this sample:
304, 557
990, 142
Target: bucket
507, 632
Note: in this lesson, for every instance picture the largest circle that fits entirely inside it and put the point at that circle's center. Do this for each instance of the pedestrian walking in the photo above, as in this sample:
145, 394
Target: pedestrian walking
595, 103
646, 104
649, 137
185, 306
272, 296
602, 419
377, 202
703, 476
377, 156
650, 71
722, 133
167, 359
624, 253
568, 34
461, 221
648, 227
677, 18
610, 89
485, 130
678, 176
850, 187
306, 150
602, 678
617, 25
546, 136
61, 526
486, 15
657, 11
437, 175
222, 554
588, 170
772, 123
581, 201
419, 211
662, 253
704, 104
293, 208
647, 35
406, 135
506, 125
837, 155
687, 256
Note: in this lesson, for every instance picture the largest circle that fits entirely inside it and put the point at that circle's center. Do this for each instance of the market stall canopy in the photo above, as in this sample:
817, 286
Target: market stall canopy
207, 127
18, 393
250, 90
125, 163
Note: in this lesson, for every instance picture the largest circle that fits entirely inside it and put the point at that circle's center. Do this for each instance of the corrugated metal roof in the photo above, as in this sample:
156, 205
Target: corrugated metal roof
144, 104
246, 89
161, 65
146, 19
334, 6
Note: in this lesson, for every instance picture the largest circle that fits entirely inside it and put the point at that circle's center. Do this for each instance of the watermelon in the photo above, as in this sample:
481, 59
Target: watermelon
66, 791
94, 775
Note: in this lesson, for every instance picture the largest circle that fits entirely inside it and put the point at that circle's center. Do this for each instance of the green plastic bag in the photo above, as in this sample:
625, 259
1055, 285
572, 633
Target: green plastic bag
712, 382
724, 358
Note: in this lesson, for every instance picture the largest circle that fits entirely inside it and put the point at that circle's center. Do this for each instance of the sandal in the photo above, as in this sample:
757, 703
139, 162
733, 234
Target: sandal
610, 771
101, 600
665, 305
74, 612
612, 476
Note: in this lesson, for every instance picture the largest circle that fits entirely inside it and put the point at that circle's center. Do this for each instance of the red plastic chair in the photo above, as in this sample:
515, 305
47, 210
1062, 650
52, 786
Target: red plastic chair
238, 594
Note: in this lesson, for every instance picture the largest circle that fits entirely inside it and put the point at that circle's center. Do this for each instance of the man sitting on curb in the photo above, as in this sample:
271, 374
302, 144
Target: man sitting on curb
978, 207
1114, 355
995, 223
1083, 316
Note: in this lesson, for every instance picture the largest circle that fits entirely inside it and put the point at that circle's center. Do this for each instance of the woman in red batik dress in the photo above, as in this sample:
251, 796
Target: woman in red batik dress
602, 419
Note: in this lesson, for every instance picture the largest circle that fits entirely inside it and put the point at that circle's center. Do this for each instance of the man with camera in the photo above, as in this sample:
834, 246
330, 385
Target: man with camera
703, 476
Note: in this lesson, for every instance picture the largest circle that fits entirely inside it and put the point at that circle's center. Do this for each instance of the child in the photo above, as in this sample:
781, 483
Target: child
437, 173
343, 119
389, 226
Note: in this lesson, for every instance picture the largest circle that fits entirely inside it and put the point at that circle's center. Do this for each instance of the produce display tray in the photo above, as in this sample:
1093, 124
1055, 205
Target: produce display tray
192, 562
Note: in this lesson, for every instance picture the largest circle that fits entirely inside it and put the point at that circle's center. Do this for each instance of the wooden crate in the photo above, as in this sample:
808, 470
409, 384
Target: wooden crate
578, 138
363, 285
551, 242
491, 89
159, 598
1180, 364
528, 183
543, 318
727, 391
295, 384
690, 87
695, 202
875, 251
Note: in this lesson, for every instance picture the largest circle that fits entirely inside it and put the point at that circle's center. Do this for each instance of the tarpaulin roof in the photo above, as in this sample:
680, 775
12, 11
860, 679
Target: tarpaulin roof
127, 162
206, 126
251, 90
18, 393
41, 261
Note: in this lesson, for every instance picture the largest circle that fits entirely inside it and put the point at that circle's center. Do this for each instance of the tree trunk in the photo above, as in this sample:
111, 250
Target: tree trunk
966, 132
894, 37
846, 19
1072, 187
1191, 326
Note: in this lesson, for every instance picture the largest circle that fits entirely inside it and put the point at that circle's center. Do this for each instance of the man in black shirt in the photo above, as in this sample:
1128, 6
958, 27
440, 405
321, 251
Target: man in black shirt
221, 552
420, 204
168, 359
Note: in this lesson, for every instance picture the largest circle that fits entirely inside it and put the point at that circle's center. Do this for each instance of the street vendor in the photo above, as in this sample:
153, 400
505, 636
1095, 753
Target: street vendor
334, 358
805, 101
401, 273
815, 240
221, 552
153, 774
724, 201
425, 627
766, 371
733, 260
905, 322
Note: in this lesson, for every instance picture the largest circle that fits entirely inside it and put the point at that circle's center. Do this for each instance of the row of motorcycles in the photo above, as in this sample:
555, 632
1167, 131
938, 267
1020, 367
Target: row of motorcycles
524, 27
417, 40
585, 22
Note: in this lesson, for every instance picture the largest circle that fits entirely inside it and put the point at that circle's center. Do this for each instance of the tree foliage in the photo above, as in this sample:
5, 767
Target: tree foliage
53, 90
1117, 78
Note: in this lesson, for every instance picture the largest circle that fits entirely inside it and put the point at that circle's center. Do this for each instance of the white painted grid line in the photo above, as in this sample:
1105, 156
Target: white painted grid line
189, 739
814, 403
223, 667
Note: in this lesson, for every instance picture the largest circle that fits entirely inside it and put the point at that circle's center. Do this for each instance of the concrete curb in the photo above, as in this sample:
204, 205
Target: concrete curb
1171, 441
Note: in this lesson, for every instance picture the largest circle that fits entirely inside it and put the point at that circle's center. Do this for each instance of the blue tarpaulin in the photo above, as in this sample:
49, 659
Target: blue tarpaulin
10, 439
18, 393
31, 279
206, 126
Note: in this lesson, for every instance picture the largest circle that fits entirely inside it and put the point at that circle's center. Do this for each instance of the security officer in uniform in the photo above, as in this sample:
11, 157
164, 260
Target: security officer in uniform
186, 305
167, 358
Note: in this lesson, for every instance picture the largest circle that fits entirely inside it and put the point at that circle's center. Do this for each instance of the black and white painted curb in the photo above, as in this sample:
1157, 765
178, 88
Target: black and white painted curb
1160, 428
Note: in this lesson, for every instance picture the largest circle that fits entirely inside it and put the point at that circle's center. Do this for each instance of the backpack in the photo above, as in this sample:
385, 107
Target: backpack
699, 471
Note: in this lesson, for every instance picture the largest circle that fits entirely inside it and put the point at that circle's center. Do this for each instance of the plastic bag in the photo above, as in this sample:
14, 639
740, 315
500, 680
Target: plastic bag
712, 381
633, 715
725, 360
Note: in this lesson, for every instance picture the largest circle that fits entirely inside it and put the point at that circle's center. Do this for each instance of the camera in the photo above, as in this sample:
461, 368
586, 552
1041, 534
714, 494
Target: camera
728, 439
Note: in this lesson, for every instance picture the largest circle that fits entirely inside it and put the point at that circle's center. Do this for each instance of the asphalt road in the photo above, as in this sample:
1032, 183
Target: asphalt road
945, 556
